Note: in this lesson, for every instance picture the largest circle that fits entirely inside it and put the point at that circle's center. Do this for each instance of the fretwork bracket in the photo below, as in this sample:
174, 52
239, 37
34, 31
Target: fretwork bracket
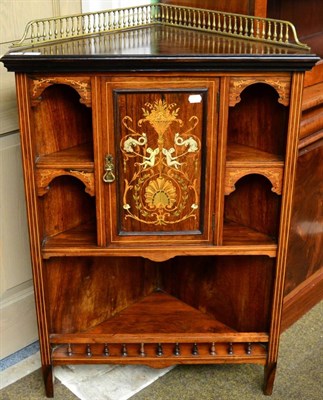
280, 84
45, 176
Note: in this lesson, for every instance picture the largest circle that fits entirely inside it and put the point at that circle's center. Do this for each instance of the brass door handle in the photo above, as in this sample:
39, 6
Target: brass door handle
109, 176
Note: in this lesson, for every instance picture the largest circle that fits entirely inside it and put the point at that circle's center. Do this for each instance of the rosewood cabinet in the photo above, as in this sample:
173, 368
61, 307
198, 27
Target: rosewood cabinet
159, 164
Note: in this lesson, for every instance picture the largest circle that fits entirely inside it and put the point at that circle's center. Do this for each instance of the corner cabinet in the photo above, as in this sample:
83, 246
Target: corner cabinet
159, 166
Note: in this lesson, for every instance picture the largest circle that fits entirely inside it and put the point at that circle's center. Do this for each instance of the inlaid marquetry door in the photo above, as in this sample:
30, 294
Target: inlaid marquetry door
158, 159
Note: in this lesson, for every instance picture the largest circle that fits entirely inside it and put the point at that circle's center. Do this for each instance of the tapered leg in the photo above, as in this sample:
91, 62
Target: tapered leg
269, 378
48, 377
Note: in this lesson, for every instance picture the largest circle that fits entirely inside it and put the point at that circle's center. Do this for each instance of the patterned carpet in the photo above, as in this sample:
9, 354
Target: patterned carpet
299, 375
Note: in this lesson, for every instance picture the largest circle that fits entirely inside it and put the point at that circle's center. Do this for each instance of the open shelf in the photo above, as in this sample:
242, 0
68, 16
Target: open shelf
155, 317
256, 143
237, 234
68, 211
245, 160
79, 236
251, 211
160, 313
77, 157
159, 326
249, 123
164, 304
239, 155
61, 122
82, 239
76, 162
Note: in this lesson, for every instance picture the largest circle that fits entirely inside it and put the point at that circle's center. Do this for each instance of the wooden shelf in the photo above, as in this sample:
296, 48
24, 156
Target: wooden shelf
78, 157
244, 156
79, 236
81, 241
245, 160
159, 314
75, 161
236, 234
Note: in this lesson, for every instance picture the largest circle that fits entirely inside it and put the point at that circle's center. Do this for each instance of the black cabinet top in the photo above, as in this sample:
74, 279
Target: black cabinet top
159, 38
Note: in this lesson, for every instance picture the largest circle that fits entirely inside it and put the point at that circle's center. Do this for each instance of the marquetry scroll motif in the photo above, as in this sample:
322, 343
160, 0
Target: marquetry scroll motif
274, 175
45, 176
81, 84
163, 185
280, 84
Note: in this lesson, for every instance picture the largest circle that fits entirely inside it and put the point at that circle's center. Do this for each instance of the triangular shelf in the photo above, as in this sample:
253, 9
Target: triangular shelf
160, 313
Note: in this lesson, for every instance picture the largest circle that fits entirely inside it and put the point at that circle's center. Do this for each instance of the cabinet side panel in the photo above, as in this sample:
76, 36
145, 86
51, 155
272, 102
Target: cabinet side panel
33, 217
305, 256
287, 197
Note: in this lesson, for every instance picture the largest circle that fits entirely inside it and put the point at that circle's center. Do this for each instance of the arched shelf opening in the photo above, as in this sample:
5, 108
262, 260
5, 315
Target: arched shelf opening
44, 177
259, 121
253, 210
274, 176
68, 212
61, 122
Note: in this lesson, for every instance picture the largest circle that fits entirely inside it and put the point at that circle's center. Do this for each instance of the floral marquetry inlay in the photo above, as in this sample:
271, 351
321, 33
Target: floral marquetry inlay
162, 187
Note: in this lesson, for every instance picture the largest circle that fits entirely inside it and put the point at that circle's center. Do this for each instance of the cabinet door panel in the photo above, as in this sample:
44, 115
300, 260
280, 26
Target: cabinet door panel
162, 154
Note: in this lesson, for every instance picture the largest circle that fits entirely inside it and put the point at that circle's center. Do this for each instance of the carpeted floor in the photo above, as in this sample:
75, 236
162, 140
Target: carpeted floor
299, 375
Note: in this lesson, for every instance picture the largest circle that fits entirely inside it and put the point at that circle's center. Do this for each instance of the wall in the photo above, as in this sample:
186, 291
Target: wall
17, 311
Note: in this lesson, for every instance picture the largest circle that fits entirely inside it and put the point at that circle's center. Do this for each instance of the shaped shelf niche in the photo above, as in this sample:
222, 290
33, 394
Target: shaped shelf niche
68, 214
62, 120
256, 146
64, 163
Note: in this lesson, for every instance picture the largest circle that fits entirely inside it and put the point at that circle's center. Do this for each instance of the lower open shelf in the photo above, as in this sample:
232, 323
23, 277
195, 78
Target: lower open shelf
160, 330
83, 241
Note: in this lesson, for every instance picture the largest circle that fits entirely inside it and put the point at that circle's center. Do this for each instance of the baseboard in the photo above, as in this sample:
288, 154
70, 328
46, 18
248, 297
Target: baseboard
17, 321
302, 299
